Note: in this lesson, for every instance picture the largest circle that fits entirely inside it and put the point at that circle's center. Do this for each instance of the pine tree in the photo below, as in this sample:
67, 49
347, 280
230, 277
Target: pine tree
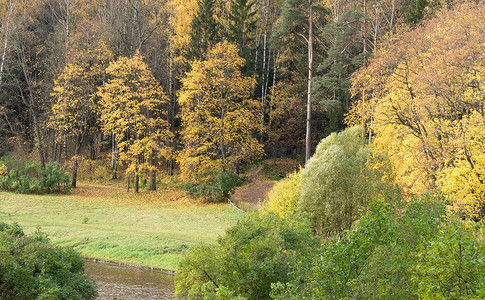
415, 12
206, 31
295, 35
242, 23
344, 56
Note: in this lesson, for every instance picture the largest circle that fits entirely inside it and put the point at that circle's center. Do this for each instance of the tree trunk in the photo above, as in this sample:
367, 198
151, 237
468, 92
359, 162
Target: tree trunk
221, 142
310, 75
75, 163
114, 156
263, 77
362, 119
74, 173
171, 111
30, 103
153, 175
5, 44
137, 176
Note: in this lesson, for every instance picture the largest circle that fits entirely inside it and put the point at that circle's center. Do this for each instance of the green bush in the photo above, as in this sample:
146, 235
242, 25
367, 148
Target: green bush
397, 250
338, 182
254, 253
31, 178
32, 268
220, 190
54, 179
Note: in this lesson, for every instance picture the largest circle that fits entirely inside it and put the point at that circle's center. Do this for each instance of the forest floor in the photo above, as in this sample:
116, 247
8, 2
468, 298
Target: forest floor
251, 195
260, 180
152, 229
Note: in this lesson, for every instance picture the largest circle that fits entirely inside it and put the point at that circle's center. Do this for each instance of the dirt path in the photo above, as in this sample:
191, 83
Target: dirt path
253, 192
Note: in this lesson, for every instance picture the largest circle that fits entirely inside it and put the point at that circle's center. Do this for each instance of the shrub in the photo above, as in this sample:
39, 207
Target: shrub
54, 179
30, 178
32, 268
397, 250
283, 197
221, 189
254, 253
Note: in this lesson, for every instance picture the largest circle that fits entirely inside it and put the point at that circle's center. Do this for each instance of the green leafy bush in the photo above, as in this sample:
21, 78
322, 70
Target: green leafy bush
338, 182
242, 265
54, 179
397, 250
31, 178
220, 190
32, 268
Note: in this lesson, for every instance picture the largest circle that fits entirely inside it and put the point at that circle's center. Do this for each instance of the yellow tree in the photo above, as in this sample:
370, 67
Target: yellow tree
132, 109
426, 88
218, 116
76, 107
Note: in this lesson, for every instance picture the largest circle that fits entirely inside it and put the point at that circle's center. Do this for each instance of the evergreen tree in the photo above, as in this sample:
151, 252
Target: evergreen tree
242, 22
415, 12
344, 56
298, 21
206, 31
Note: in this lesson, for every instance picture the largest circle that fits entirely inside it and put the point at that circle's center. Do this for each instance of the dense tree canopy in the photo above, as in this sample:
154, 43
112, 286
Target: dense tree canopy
402, 250
425, 101
218, 115
246, 261
54, 55
32, 268
132, 109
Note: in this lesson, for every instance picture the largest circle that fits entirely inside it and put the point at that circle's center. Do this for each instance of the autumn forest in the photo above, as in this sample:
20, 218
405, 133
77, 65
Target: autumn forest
380, 103
200, 86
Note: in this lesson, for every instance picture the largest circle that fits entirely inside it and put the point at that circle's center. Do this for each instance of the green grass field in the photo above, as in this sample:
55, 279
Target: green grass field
153, 229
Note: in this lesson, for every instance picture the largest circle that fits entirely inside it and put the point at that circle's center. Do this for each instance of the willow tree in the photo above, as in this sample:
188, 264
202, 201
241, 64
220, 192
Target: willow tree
218, 116
132, 109
339, 180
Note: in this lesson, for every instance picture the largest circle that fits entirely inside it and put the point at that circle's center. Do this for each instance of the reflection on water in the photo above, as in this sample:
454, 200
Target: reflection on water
118, 282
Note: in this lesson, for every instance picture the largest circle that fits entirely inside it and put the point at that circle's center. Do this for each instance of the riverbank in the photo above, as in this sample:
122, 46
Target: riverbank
120, 282
151, 229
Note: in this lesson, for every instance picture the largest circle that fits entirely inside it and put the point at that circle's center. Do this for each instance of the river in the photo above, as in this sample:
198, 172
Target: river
126, 283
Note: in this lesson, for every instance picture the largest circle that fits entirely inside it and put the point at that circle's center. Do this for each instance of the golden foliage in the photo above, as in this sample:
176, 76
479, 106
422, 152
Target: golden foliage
425, 88
288, 110
218, 116
283, 197
76, 106
132, 109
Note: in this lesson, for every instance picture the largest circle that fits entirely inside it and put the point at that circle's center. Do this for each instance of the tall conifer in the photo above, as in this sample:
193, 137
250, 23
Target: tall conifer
206, 31
242, 22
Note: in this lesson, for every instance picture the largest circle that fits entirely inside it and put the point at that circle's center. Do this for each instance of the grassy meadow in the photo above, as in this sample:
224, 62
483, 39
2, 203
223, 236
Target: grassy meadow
153, 229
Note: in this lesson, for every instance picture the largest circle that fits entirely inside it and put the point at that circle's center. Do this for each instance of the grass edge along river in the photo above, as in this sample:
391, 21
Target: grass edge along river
150, 229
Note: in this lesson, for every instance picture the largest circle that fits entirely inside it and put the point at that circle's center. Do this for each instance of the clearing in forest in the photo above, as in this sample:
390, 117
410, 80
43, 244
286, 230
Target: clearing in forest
153, 229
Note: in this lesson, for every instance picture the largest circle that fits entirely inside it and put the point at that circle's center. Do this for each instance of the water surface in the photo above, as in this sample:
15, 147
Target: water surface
120, 282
